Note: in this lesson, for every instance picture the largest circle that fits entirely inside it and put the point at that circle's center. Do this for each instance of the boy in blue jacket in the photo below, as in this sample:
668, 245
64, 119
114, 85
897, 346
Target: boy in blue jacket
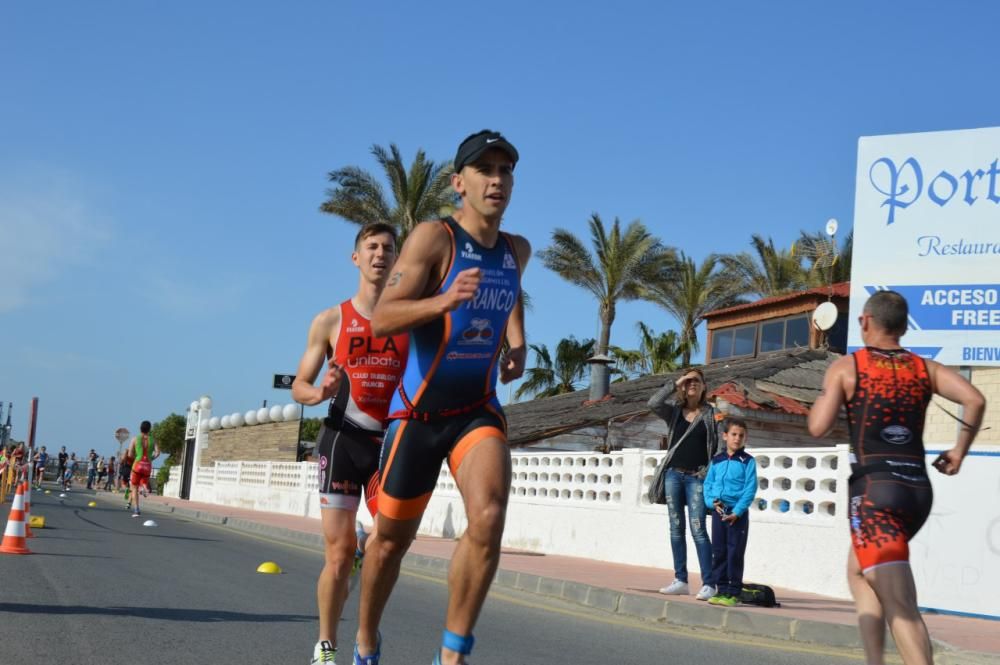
730, 488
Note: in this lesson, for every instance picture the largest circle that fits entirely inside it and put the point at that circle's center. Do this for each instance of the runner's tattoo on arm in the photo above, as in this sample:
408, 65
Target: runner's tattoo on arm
394, 280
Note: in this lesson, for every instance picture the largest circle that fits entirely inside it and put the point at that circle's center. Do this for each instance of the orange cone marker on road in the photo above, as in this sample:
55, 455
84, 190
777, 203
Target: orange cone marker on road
14, 535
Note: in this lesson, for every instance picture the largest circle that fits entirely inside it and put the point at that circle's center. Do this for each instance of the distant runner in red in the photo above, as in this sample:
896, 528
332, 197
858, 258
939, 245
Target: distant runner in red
886, 391
141, 453
362, 372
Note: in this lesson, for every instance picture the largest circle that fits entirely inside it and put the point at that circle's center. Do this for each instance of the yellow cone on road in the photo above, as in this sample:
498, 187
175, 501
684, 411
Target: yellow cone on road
92, 504
269, 568
48, 491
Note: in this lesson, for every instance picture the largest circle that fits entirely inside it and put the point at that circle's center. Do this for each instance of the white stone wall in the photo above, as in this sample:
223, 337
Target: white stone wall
594, 506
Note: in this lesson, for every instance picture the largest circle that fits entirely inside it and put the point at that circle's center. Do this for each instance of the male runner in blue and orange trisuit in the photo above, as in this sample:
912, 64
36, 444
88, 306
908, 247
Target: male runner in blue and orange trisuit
457, 289
886, 390
361, 376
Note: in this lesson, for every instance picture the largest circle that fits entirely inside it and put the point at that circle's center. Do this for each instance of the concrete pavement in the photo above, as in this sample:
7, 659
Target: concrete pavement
631, 590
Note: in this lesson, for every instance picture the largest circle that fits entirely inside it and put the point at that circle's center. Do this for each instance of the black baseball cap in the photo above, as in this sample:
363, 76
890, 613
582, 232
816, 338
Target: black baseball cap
476, 144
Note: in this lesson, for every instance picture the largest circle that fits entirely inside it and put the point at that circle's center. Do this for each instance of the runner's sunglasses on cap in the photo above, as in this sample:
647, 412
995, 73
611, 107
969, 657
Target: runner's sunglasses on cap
475, 145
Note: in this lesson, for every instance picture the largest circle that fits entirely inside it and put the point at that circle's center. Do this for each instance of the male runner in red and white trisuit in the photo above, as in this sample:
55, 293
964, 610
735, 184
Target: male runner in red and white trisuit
362, 374
886, 391
141, 452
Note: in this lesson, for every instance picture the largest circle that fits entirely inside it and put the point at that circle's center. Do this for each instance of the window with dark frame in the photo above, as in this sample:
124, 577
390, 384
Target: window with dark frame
761, 337
735, 342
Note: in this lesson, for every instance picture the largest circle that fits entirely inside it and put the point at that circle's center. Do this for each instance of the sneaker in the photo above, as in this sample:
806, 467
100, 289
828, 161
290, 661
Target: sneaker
707, 592
372, 659
676, 588
724, 600
135, 513
323, 652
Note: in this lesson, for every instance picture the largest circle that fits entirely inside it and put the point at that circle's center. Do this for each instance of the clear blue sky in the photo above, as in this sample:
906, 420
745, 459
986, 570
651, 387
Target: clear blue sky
161, 164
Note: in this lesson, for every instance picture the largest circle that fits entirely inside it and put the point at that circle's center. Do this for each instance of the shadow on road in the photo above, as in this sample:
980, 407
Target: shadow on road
158, 613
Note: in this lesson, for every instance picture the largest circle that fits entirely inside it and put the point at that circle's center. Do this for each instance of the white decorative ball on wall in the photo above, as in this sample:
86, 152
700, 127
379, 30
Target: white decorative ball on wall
194, 406
290, 412
263, 415
206, 402
250, 417
204, 425
276, 413
214, 423
225, 422
236, 420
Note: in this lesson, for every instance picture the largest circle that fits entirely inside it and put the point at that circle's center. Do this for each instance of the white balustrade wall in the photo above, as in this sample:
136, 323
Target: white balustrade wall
594, 505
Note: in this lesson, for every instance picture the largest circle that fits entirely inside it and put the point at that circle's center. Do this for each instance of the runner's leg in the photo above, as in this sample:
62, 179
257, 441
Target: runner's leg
871, 620
331, 588
483, 478
383, 556
896, 591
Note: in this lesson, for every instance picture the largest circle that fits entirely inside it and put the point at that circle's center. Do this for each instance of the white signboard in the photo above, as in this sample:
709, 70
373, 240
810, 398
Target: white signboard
956, 555
191, 426
927, 224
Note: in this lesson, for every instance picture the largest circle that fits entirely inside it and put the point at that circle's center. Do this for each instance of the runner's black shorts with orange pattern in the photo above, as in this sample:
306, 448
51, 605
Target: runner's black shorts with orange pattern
414, 449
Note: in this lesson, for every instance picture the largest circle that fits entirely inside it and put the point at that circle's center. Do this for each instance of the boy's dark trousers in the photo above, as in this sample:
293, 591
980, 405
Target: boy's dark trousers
729, 544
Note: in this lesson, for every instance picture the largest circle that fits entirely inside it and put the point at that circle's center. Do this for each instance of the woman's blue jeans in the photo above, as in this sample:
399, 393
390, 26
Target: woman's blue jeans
685, 490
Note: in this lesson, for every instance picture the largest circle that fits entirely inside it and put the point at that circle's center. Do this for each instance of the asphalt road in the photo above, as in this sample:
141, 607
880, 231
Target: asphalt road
102, 588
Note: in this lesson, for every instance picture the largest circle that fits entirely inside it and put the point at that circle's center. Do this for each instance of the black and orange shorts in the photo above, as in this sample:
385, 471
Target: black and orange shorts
886, 512
413, 451
348, 463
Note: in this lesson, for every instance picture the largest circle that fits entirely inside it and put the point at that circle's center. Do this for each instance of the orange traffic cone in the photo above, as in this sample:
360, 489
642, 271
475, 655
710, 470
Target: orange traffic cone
27, 510
13, 536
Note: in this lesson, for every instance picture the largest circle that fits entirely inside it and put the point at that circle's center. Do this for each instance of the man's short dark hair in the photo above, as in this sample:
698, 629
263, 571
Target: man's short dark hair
372, 229
733, 421
145, 427
889, 311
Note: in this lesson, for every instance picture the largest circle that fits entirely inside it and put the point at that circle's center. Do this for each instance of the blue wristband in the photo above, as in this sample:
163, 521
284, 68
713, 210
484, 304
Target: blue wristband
458, 643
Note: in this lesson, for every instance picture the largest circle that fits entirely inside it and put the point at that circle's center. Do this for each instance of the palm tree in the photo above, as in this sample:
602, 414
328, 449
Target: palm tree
767, 272
422, 192
689, 294
657, 354
818, 248
547, 378
621, 265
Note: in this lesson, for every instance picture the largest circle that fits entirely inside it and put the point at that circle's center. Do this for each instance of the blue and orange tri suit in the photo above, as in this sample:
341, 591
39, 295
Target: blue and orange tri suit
890, 493
446, 402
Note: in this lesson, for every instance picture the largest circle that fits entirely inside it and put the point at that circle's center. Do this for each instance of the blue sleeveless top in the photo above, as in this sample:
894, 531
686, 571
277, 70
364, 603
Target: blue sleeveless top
452, 363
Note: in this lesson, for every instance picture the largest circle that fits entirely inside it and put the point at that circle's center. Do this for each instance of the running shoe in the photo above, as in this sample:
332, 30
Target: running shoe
323, 652
372, 659
135, 513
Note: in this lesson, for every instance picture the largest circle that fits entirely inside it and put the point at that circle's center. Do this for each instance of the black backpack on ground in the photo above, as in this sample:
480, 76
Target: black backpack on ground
758, 594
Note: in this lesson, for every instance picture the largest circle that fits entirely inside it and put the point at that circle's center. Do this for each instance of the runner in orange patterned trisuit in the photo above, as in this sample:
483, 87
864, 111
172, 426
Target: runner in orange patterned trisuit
886, 390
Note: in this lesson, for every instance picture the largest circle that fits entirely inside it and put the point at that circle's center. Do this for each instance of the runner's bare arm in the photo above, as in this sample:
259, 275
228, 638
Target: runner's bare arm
827, 407
514, 360
322, 337
405, 303
952, 386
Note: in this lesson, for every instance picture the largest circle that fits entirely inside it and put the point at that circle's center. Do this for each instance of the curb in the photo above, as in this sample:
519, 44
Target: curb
745, 621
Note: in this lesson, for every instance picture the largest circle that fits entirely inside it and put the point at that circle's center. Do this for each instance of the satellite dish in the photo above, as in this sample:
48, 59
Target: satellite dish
831, 227
825, 316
